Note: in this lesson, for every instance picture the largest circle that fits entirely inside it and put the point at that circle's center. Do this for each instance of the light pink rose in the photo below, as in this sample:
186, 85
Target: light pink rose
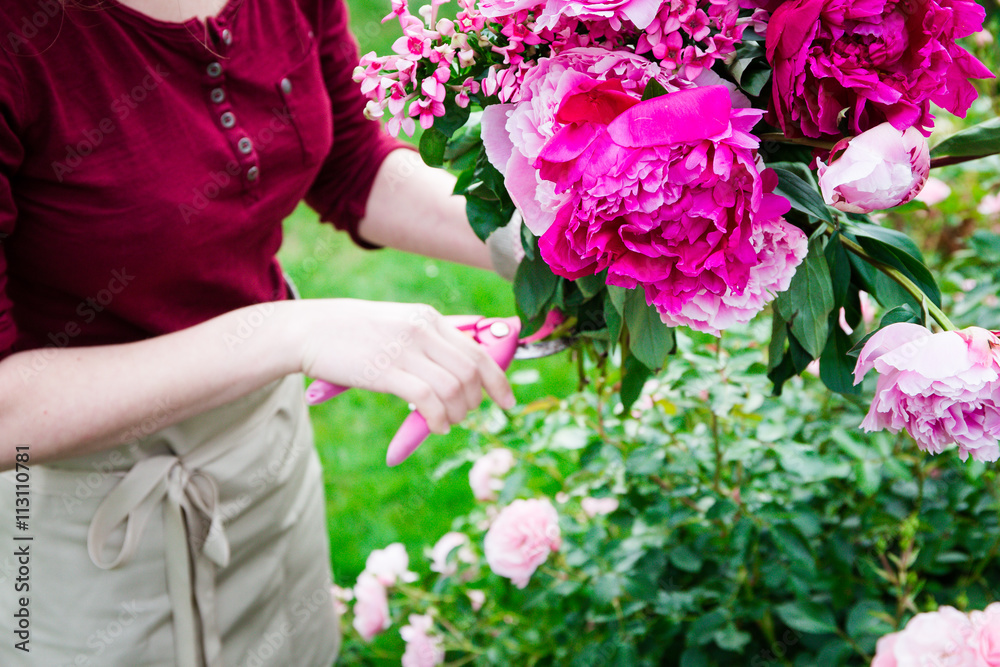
942, 388
521, 538
422, 648
598, 506
341, 596
935, 191
389, 564
450, 542
881, 168
940, 638
371, 611
989, 205
477, 598
484, 477
987, 635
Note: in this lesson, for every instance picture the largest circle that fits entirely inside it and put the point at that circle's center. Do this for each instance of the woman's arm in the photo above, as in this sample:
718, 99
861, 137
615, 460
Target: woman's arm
411, 207
73, 401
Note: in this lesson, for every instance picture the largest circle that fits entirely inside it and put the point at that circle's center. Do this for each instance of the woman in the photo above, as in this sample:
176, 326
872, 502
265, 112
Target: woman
151, 352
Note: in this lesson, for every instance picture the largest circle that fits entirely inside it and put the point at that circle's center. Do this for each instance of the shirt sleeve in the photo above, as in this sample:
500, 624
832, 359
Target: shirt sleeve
340, 191
11, 155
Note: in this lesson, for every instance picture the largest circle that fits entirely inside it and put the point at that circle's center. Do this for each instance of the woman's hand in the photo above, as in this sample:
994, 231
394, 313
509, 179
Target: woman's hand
408, 350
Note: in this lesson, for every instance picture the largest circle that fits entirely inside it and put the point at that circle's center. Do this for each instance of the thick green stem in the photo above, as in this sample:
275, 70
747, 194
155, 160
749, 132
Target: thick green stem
903, 282
800, 141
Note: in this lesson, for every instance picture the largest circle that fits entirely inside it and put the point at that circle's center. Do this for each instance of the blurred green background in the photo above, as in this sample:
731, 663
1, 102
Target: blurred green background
368, 504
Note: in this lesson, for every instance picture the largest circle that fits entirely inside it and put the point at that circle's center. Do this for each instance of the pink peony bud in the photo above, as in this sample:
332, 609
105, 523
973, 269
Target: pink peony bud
371, 611
881, 168
598, 506
942, 388
521, 538
484, 478
390, 563
422, 648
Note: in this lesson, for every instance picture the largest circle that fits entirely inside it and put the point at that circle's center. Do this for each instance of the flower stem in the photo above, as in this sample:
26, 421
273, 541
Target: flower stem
903, 281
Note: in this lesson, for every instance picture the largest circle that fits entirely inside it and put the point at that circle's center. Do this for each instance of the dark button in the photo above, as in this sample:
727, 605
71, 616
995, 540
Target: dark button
227, 37
218, 95
214, 69
252, 174
227, 119
286, 86
245, 145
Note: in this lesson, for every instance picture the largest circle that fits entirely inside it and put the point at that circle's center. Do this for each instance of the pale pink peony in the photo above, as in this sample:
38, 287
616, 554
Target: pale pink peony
942, 388
935, 191
422, 648
941, 638
457, 543
484, 477
598, 506
371, 609
881, 168
875, 61
521, 538
389, 564
986, 639
341, 596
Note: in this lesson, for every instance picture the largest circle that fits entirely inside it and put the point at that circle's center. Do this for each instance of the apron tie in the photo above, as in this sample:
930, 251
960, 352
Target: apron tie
194, 536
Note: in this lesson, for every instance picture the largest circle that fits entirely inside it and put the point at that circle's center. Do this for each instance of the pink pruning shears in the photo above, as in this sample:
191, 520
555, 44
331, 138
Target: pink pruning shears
500, 338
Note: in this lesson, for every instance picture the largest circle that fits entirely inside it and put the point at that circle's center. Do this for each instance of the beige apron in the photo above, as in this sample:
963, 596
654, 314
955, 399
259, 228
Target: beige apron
201, 544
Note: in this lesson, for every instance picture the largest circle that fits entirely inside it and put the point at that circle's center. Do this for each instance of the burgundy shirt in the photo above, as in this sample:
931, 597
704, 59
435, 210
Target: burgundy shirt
146, 166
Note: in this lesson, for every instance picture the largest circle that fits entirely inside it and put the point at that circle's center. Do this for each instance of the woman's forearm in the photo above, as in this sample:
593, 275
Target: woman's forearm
411, 207
66, 402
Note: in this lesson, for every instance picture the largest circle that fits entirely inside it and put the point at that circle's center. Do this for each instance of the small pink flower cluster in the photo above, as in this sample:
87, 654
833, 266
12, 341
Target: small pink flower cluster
423, 63
945, 637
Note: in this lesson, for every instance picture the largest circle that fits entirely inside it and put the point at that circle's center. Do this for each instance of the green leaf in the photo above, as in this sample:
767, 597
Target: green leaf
836, 367
591, 285
634, 376
432, 146
455, 117
730, 638
840, 270
703, 630
802, 195
807, 304
899, 251
779, 335
485, 216
534, 287
684, 558
650, 340
613, 318
808, 617
868, 618
982, 139
653, 89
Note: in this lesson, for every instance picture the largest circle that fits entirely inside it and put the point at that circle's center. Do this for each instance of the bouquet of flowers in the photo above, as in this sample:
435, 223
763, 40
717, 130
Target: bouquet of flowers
688, 162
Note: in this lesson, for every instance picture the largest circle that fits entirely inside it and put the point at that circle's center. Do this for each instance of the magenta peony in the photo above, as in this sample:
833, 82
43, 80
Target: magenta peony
485, 475
371, 609
881, 168
942, 388
521, 538
943, 638
875, 61
422, 648
666, 194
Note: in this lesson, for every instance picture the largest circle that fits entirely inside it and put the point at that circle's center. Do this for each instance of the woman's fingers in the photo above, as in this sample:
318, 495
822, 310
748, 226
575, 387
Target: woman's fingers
422, 395
458, 394
491, 377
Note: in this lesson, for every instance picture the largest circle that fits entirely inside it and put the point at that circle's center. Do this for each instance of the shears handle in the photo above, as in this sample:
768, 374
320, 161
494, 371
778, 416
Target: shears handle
498, 335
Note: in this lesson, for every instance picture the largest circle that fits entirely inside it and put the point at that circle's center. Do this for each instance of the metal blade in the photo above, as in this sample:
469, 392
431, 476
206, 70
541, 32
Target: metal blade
544, 348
